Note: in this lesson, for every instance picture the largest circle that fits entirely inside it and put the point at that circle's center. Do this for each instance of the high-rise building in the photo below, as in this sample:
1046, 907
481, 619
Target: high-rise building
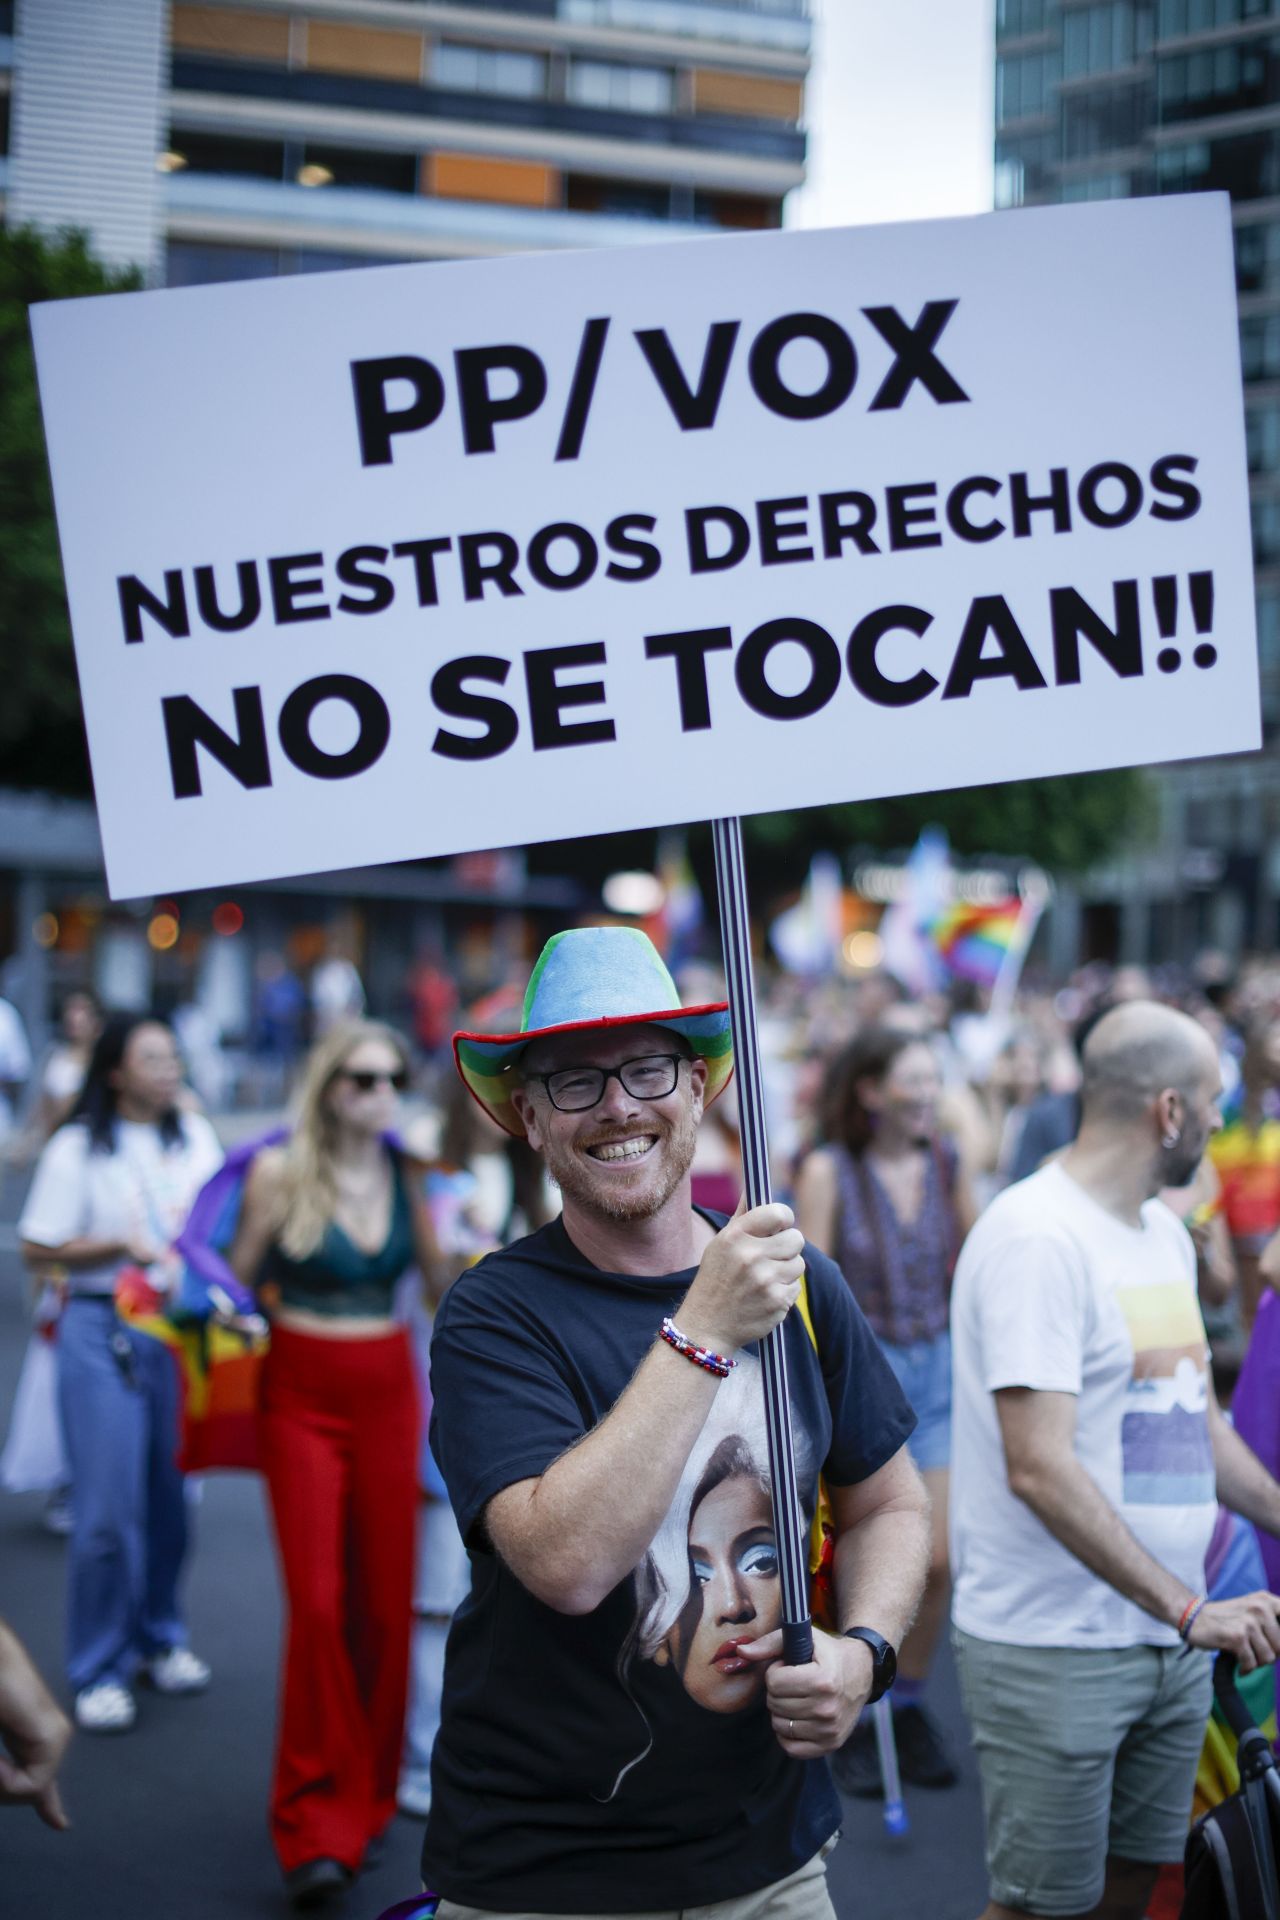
1097, 100
257, 137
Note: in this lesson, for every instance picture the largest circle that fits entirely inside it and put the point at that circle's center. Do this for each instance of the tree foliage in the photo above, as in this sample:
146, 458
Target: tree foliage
41, 731
1065, 825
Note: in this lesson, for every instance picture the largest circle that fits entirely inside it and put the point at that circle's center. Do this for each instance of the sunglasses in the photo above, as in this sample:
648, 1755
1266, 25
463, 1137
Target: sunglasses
365, 1081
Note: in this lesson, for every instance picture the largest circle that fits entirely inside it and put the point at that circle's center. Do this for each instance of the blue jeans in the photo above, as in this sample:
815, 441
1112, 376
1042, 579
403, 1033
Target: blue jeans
120, 1415
924, 1374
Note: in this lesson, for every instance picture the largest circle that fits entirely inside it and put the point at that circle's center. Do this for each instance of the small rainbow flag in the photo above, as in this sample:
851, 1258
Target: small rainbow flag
974, 941
218, 1373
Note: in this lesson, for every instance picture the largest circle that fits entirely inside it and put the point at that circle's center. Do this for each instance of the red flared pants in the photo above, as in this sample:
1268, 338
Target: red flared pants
339, 1443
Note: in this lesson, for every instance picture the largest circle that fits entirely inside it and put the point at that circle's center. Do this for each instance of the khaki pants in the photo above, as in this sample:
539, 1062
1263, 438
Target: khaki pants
802, 1895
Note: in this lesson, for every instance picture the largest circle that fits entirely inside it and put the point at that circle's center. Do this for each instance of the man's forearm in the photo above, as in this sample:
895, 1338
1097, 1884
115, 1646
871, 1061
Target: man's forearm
880, 1569
586, 1523
1243, 1483
74, 1254
1078, 1514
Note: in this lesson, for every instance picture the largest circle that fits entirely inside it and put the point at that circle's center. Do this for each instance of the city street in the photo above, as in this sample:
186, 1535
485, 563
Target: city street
169, 1821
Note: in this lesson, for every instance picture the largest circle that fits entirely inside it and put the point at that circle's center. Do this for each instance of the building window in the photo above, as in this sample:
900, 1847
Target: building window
1099, 186
1023, 161
1219, 79
358, 167
489, 70
1262, 437
1019, 16
196, 263
624, 199
1103, 38
1024, 85
1198, 16
221, 153
607, 83
735, 210
1245, 165
1258, 258
1104, 120
1260, 346
1266, 529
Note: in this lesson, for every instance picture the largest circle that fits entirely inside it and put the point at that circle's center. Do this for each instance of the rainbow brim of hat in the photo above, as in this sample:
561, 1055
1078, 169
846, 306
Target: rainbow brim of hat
591, 978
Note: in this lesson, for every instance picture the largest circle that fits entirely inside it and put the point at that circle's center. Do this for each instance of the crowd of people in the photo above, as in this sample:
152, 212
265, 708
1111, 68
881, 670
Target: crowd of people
554, 1632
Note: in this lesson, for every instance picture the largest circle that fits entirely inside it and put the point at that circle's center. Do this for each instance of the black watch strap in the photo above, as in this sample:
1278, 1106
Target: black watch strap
884, 1661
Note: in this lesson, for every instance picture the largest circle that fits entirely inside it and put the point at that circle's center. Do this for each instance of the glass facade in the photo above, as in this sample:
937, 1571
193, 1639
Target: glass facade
1102, 99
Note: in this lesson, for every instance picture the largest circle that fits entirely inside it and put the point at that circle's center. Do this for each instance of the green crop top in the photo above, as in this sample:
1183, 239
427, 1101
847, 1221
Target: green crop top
340, 1279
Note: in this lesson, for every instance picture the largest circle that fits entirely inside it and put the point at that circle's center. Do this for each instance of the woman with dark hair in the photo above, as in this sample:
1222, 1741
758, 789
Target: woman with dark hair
885, 1196
112, 1190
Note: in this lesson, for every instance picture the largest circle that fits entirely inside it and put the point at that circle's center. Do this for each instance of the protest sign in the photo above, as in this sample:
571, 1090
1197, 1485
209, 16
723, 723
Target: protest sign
421, 559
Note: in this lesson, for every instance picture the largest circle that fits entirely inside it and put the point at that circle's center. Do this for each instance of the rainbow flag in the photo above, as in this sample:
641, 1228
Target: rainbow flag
974, 941
218, 1373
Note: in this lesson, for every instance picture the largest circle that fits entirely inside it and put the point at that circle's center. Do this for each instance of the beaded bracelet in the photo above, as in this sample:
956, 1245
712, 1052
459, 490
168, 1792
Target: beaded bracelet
701, 1356
1190, 1614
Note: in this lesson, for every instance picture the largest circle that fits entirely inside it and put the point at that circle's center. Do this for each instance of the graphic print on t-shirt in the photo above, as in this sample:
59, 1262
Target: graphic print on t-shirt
710, 1580
1164, 1437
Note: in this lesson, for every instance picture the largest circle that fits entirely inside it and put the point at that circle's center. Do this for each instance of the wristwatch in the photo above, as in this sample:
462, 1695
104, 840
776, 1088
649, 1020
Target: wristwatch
884, 1661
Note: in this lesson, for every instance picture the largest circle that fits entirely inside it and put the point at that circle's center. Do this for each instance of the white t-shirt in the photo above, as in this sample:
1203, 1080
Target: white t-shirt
141, 1191
1053, 1292
15, 1059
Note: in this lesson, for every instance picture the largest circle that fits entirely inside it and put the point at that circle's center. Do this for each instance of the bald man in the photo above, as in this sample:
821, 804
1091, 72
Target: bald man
1087, 1458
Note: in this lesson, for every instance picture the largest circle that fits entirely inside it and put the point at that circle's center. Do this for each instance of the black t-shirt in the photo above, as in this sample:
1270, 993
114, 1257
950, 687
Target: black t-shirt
623, 1760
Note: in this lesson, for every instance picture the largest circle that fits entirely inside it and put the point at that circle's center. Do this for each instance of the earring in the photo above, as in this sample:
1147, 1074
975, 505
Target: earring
1171, 1139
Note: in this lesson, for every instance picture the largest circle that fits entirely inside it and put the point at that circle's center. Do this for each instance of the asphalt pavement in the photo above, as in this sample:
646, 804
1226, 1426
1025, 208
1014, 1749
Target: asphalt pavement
169, 1821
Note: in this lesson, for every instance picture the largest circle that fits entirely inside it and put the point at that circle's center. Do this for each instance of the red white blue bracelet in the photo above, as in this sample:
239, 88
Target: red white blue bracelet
702, 1357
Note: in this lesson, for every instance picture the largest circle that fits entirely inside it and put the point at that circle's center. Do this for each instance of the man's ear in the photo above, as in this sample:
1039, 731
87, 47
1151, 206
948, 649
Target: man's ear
522, 1101
698, 1081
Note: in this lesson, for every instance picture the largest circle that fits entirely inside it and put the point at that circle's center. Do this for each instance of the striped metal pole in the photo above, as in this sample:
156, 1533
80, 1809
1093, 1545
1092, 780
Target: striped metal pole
788, 1520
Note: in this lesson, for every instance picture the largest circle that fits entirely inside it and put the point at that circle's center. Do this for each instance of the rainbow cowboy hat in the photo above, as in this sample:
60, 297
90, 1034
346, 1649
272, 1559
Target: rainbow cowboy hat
586, 978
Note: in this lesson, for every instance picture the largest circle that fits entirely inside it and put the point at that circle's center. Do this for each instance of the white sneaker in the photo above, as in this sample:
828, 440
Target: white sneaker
178, 1671
105, 1708
58, 1517
413, 1794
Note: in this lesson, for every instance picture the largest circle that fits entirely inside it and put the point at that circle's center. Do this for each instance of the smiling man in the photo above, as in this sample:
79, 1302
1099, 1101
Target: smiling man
597, 1405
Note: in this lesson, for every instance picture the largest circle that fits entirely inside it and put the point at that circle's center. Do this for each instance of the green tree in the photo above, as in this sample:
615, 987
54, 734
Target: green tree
42, 741
1064, 825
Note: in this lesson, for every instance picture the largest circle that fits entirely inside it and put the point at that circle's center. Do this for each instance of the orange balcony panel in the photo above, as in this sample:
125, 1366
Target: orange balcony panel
748, 94
469, 176
252, 36
376, 52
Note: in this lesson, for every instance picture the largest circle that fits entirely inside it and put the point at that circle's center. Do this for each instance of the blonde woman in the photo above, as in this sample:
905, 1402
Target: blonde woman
329, 1223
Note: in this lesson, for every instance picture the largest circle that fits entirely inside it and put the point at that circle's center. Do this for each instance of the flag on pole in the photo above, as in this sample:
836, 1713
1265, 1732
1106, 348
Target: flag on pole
909, 954
806, 938
973, 942
678, 929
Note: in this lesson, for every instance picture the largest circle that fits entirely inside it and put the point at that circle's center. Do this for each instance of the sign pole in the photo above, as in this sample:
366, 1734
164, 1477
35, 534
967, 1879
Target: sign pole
788, 1519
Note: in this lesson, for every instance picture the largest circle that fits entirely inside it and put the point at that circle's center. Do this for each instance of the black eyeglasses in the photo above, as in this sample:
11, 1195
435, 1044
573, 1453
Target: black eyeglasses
364, 1081
574, 1089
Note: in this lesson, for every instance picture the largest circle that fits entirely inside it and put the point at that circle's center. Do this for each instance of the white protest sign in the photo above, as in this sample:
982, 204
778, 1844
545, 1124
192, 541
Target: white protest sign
372, 565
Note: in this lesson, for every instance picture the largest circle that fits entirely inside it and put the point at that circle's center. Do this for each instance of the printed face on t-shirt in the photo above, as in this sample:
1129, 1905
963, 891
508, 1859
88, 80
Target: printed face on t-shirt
734, 1595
